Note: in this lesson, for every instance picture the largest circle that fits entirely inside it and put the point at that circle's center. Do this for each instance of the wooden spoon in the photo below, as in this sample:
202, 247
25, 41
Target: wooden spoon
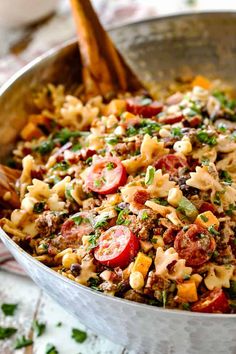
104, 70
8, 195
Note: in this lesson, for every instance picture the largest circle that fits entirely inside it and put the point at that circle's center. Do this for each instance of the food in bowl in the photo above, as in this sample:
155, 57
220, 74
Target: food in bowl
133, 197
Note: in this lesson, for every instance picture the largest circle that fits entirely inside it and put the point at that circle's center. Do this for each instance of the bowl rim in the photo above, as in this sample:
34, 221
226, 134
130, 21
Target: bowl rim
6, 238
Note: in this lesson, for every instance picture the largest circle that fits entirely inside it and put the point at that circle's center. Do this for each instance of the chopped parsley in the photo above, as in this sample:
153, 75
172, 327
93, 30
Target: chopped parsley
78, 335
222, 128
121, 220
186, 306
101, 221
212, 230
176, 132
150, 174
22, 342
204, 218
64, 135
225, 176
76, 147
93, 240
93, 283
6, 332
144, 215
77, 219
186, 277
51, 349
147, 126
217, 200
39, 328
160, 201
232, 208
39, 207
89, 160
112, 140
205, 138
224, 101
110, 166
215, 254
61, 166
9, 309
45, 147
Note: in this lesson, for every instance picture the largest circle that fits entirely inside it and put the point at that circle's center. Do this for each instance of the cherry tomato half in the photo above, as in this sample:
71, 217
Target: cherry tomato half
211, 302
172, 119
195, 245
170, 163
138, 106
116, 247
77, 226
106, 175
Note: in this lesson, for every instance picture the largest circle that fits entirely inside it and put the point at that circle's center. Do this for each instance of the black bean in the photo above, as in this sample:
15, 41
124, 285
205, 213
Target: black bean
75, 269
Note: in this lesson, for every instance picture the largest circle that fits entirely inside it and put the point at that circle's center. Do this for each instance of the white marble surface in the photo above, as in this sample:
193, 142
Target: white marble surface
33, 303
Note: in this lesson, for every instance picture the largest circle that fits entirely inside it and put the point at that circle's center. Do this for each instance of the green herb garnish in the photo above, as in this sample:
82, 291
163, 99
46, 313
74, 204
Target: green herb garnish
217, 200
160, 201
6, 332
150, 174
110, 166
22, 342
93, 283
112, 140
93, 240
78, 335
186, 306
101, 221
39, 328
64, 135
39, 207
204, 218
121, 220
45, 147
76, 147
9, 309
212, 230
232, 208
144, 215
176, 132
226, 177
61, 166
89, 160
204, 138
51, 349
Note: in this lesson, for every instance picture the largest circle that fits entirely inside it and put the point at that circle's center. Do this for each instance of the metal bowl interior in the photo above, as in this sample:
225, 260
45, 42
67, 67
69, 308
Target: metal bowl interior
158, 50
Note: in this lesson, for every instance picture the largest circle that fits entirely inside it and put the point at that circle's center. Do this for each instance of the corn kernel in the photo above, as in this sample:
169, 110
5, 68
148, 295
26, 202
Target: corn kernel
136, 280
183, 146
174, 196
68, 259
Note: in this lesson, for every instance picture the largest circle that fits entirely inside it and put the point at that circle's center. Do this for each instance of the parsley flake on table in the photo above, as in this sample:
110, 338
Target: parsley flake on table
78, 335
22, 342
6, 332
51, 349
39, 328
9, 309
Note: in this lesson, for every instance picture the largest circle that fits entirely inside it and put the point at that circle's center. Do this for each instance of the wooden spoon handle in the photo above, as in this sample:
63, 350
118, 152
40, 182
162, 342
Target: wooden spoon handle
104, 68
8, 195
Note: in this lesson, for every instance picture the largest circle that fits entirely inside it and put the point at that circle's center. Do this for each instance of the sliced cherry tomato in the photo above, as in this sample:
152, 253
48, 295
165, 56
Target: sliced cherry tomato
206, 207
143, 107
195, 245
211, 302
106, 175
116, 247
170, 163
77, 226
172, 119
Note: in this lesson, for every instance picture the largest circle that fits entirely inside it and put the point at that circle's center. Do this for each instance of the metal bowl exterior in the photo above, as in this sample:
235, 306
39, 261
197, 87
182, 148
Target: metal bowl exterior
158, 49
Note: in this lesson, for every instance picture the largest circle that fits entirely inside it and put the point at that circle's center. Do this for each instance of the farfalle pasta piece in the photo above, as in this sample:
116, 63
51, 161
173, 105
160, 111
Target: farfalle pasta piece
206, 151
161, 185
165, 211
150, 150
39, 190
76, 115
219, 276
228, 163
164, 259
203, 180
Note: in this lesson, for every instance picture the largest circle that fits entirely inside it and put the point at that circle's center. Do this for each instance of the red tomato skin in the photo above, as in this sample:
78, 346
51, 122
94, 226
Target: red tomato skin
195, 250
172, 119
214, 301
170, 163
123, 258
206, 207
120, 171
133, 105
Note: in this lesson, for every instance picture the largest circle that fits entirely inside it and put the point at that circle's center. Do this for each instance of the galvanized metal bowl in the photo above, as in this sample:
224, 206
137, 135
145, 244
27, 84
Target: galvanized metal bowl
158, 50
